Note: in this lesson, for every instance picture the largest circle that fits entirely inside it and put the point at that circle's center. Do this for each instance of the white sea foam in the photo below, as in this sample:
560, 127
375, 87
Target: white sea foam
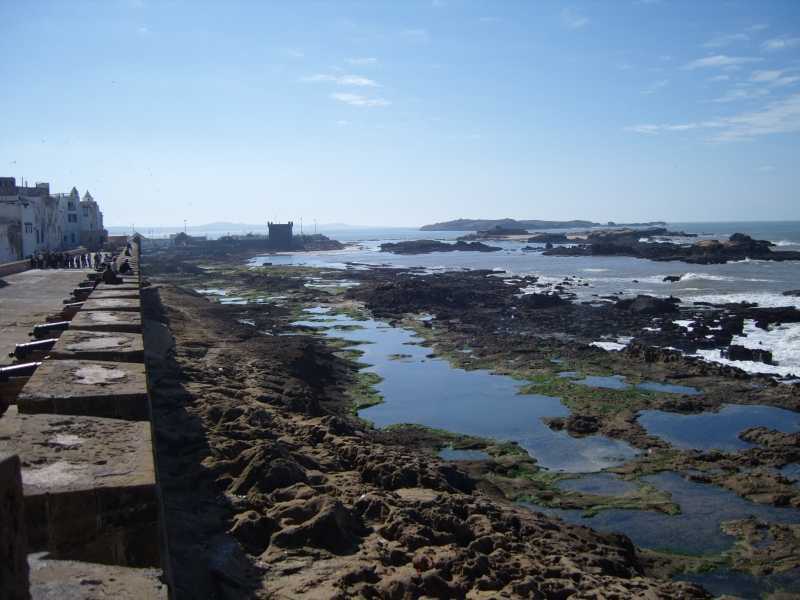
761, 298
616, 346
609, 346
786, 243
595, 270
782, 340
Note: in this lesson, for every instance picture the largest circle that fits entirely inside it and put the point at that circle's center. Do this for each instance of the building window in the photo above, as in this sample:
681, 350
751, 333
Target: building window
85, 211
70, 205
73, 238
72, 218
29, 228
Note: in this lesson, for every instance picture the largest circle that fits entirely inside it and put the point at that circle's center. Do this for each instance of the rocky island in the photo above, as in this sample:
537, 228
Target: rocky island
738, 247
428, 246
526, 224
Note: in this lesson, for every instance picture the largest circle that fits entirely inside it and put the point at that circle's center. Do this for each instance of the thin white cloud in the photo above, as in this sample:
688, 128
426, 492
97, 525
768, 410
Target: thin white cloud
349, 80
655, 86
720, 61
342, 123
778, 117
360, 101
363, 61
722, 40
490, 19
765, 169
758, 27
766, 76
573, 19
774, 77
438, 3
143, 30
781, 43
720, 78
742, 93
416, 35
294, 53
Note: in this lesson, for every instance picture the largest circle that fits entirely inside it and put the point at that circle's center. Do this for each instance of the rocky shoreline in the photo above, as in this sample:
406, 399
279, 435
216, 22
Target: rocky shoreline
521, 336
272, 491
703, 252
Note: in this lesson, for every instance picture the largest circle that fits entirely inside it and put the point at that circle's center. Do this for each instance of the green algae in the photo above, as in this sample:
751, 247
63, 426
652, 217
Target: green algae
361, 393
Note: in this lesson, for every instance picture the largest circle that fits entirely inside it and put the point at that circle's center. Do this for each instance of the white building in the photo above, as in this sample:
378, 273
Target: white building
90, 219
69, 205
33, 221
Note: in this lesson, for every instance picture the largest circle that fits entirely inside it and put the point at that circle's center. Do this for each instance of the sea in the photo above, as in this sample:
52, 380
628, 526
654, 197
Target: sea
758, 281
419, 388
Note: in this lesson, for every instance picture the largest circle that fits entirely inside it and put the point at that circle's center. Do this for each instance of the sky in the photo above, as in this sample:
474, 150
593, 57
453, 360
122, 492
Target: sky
401, 113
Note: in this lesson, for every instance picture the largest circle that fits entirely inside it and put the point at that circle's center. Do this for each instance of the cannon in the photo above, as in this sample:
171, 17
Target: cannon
47, 330
12, 380
33, 350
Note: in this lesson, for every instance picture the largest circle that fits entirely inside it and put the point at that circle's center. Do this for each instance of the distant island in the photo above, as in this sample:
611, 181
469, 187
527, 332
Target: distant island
484, 224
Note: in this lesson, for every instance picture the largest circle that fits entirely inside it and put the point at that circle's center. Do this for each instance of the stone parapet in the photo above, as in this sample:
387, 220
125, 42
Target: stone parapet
89, 485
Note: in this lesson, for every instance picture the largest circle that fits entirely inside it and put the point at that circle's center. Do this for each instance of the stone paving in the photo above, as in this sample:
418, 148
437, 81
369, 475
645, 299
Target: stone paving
80, 439
27, 300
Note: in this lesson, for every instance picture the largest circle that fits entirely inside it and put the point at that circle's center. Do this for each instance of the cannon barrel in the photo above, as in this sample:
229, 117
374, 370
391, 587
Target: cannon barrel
46, 330
21, 370
23, 351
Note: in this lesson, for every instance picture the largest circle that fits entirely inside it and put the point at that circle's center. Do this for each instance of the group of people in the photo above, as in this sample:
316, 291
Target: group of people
65, 260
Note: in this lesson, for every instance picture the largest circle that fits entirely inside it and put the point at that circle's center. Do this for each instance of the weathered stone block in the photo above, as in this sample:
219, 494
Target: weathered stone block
89, 486
104, 293
83, 387
73, 580
117, 287
107, 321
13, 538
112, 304
99, 345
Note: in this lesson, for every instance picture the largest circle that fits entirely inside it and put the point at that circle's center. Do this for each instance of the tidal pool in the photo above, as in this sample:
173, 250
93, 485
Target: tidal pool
455, 454
428, 391
695, 531
792, 473
617, 382
743, 585
720, 430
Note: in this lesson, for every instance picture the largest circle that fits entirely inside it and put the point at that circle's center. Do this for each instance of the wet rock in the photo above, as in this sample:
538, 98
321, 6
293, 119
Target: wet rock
548, 238
672, 278
621, 243
792, 293
253, 530
536, 301
766, 316
736, 352
428, 246
582, 424
649, 305
321, 522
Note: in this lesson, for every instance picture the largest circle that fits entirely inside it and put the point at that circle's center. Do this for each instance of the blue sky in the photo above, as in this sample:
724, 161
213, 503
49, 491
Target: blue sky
407, 112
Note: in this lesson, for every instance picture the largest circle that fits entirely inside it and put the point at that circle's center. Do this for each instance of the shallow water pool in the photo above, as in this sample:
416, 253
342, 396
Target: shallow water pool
720, 430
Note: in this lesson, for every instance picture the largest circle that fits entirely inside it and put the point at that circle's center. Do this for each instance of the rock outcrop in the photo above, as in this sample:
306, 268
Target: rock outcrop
428, 246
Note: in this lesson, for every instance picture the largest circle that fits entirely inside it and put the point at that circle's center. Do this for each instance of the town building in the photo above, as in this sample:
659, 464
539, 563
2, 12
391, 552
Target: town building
90, 220
32, 220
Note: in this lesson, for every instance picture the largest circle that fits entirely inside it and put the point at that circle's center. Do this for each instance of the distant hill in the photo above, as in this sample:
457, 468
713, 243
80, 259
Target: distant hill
223, 226
483, 224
